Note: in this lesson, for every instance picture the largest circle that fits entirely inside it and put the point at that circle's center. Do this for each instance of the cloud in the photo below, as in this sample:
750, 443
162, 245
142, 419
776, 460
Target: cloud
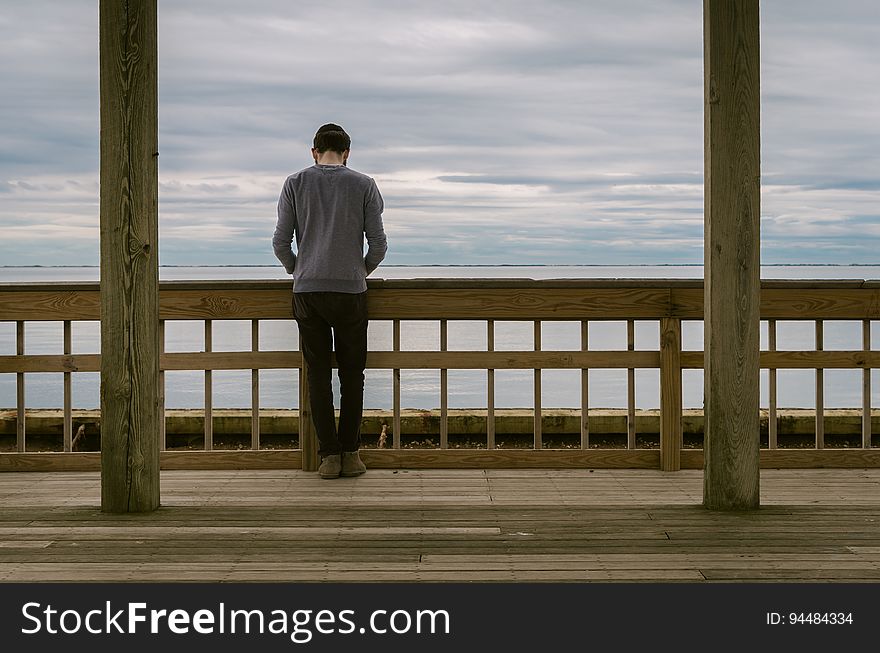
560, 131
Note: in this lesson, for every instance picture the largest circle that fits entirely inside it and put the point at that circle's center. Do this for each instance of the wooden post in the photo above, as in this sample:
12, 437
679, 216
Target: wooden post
732, 254
129, 257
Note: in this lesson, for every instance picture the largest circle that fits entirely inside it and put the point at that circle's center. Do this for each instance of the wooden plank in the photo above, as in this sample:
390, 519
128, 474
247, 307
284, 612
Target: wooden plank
732, 253
481, 360
490, 388
585, 389
255, 388
20, 429
19, 303
560, 299
630, 389
506, 303
670, 394
395, 390
373, 458
820, 391
840, 304
835, 359
538, 439
161, 387
866, 389
805, 360
444, 391
772, 416
799, 458
50, 363
209, 389
67, 410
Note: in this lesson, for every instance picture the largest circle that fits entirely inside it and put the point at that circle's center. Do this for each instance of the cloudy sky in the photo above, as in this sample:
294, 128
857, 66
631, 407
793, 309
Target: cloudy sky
498, 131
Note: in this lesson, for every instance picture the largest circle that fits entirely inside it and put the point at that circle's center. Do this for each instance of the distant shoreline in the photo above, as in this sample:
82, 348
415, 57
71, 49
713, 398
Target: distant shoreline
492, 265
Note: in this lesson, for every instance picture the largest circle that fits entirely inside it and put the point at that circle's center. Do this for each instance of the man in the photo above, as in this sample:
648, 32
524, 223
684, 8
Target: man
329, 208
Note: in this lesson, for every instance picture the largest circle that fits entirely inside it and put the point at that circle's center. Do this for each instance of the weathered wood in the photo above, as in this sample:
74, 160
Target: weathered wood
800, 360
67, 428
631, 389
799, 458
538, 438
129, 256
444, 390
442, 525
490, 388
670, 394
772, 422
820, 391
209, 388
395, 373
732, 253
255, 388
866, 389
20, 443
585, 389
576, 299
161, 387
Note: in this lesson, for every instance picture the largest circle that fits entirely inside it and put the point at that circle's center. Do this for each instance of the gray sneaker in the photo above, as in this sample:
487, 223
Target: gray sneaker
330, 466
352, 465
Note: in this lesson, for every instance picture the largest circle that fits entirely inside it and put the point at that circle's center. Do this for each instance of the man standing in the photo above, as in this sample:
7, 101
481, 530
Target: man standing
329, 208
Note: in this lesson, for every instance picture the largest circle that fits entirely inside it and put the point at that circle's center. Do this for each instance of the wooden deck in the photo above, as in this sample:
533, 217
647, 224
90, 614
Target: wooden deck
443, 525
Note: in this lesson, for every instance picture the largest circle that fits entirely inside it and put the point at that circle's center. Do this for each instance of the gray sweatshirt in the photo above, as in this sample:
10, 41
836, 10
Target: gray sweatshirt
329, 208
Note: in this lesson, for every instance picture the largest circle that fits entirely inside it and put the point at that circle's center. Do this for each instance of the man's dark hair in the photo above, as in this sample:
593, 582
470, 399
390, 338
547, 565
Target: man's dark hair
332, 137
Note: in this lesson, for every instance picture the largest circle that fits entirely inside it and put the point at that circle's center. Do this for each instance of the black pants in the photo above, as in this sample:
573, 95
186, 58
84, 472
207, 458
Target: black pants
345, 314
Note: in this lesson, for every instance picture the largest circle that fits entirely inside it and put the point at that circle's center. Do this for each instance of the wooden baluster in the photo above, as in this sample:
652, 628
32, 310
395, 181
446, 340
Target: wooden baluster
866, 388
209, 403
820, 392
162, 434
19, 390
395, 346
585, 389
539, 443
630, 390
670, 394
490, 388
67, 418
771, 418
255, 389
444, 392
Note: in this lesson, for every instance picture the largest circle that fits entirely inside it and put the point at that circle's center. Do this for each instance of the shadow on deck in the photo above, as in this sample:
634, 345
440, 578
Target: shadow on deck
443, 525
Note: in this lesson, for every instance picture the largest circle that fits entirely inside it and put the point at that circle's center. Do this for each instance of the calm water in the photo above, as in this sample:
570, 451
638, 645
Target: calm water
420, 388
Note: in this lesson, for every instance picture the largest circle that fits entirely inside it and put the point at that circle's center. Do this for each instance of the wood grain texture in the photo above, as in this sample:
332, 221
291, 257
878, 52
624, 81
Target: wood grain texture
129, 256
473, 299
866, 388
444, 525
20, 404
799, 458
670, 394
732, 253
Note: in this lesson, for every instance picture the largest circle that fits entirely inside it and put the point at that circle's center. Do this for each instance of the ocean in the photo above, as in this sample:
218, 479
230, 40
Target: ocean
421, 388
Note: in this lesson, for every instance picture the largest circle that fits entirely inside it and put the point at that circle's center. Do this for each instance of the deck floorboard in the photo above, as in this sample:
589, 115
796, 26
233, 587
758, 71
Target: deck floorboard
443, 526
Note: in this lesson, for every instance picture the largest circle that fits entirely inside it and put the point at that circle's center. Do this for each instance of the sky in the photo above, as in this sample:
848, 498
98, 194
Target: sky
499, 132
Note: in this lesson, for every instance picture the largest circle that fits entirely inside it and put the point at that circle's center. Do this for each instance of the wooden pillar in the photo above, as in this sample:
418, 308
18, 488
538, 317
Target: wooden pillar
732, 253
129, 257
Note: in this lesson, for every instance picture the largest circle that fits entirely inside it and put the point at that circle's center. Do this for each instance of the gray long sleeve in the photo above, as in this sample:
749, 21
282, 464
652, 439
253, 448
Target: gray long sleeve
328, 210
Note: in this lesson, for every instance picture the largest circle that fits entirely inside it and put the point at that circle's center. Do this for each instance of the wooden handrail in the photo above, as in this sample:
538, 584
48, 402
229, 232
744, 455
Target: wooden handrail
667, 301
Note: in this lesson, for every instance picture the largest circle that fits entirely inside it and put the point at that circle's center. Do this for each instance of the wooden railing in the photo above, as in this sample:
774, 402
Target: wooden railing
668, 301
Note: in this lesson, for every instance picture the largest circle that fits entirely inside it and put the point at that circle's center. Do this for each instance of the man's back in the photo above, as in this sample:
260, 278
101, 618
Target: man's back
329, 209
